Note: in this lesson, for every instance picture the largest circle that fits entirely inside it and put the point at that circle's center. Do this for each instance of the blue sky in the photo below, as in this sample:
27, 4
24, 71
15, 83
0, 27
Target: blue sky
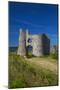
38, 18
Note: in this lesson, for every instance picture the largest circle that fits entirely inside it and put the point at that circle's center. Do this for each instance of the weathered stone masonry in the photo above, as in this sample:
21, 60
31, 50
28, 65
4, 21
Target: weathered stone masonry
40, 44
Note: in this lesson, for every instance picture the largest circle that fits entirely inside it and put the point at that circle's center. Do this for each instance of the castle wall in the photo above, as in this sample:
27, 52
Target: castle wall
22, 43
37, 45
40, 44
45, 44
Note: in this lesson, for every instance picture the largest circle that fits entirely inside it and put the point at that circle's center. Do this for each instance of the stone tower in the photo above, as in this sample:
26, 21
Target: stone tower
22, 43
41, 45
37, 45
27, 36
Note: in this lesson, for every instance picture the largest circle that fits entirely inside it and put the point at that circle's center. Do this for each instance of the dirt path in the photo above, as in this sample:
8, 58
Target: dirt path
44, 64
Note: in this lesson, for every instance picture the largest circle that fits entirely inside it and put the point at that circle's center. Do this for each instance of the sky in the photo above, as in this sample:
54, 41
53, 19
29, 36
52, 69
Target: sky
37, 18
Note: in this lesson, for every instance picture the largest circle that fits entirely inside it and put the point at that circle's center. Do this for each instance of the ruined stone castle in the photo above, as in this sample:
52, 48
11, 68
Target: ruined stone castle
38, 44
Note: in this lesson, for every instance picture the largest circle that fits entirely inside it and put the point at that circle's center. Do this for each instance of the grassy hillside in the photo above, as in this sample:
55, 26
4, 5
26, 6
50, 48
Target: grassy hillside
22, 73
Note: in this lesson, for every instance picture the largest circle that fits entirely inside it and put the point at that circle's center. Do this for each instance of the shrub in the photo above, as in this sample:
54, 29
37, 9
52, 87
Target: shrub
54, 56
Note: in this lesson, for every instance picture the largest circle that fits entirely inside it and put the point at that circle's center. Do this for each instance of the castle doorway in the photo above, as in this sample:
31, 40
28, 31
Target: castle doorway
29, 50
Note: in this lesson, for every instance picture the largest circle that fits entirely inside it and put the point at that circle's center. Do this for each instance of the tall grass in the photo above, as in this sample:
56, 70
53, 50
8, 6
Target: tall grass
24, 74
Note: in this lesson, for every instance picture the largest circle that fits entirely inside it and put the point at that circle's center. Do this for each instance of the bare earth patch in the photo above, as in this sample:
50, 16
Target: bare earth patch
44, 63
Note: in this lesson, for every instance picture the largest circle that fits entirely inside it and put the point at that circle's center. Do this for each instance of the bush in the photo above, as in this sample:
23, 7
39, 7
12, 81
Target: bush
54, 56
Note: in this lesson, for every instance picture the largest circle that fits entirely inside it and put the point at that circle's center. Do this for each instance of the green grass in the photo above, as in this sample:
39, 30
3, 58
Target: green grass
25, 74
54, 56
